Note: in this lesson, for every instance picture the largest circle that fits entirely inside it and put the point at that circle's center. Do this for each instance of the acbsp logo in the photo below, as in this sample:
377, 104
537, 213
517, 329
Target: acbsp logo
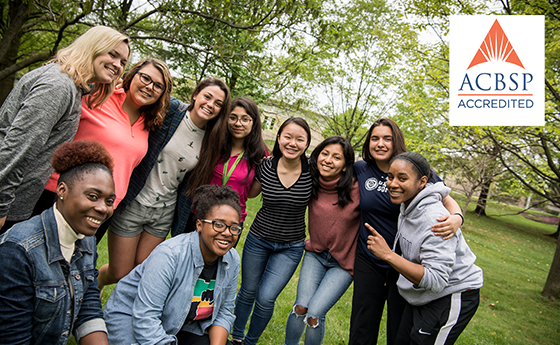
491, 85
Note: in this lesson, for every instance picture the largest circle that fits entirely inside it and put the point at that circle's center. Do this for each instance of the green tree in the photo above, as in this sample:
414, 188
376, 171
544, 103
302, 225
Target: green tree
229, 39
351, 77
530, 154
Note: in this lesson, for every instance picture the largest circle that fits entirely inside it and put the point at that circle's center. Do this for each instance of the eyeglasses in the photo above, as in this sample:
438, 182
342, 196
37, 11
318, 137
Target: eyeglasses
147, 80
220, 226
245, 120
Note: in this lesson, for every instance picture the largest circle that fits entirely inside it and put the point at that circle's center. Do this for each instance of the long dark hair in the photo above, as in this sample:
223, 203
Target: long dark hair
153, 113
212, 141
399, 145
344, 184
298, 121
253, 144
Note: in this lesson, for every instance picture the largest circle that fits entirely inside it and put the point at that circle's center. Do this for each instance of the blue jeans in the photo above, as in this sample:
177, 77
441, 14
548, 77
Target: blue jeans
321, 284
266, 268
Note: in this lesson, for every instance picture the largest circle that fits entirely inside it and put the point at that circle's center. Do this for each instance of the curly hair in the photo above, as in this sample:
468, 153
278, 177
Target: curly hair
209, 196
153, 113
74, 159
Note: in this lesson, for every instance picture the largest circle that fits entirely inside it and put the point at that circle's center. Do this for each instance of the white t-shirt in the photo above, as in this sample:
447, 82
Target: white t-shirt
179, 156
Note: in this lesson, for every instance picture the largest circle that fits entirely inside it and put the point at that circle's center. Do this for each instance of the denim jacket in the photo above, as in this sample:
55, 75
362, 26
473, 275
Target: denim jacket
36, 305
150, 305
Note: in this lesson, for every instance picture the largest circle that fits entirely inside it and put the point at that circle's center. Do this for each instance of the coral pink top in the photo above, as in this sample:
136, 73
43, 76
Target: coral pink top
110, 125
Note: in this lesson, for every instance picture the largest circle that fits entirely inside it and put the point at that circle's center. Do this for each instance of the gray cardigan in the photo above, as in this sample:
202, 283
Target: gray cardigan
41, 112
448, 264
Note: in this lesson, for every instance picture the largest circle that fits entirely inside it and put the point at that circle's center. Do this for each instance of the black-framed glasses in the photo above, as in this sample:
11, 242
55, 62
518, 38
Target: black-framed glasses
245, 120
147, 80
220, 226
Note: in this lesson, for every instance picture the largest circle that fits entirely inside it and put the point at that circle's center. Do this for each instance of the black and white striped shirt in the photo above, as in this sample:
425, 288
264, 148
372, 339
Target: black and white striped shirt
282, 215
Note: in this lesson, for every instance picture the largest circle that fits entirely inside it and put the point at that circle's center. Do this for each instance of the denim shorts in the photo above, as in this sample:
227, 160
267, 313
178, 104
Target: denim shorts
136, 218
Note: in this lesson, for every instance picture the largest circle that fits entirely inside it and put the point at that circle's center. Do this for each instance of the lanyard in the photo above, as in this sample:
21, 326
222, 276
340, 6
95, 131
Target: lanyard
227, 174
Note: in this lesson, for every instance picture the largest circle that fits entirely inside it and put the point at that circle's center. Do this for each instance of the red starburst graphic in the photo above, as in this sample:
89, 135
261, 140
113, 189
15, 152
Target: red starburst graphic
496, 47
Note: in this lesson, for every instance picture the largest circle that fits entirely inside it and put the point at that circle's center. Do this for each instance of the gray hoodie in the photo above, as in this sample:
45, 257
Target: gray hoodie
448, 264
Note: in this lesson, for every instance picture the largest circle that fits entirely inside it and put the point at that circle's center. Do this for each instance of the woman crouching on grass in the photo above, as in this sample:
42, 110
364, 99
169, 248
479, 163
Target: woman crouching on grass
184, 292
48, 285
438, 278
334, 218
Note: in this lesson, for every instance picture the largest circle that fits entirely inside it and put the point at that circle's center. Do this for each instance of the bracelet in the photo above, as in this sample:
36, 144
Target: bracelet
460, 215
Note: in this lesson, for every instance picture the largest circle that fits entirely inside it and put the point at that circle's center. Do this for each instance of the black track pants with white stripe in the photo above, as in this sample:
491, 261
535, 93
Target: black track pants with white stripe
439, 322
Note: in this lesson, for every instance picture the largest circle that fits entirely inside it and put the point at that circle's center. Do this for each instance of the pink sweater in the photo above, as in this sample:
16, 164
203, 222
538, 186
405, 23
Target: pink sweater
110, 125
332, 227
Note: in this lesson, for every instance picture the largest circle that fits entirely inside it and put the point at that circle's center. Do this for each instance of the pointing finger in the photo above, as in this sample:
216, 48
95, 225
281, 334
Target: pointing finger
370, 228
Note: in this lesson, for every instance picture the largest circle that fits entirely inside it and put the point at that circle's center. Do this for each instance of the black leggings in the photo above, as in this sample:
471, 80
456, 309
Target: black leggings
373, 285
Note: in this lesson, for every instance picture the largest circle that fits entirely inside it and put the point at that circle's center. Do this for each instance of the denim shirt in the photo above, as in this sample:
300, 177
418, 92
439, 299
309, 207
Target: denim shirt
36, 305
150, 305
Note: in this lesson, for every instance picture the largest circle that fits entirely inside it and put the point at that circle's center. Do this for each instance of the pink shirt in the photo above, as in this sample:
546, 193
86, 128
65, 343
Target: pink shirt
110, 125
237, 180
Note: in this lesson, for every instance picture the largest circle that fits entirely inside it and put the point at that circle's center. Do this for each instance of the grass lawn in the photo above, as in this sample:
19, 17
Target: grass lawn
514, 253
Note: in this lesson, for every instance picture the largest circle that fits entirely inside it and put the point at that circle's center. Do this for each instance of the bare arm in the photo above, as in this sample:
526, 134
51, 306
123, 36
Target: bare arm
378, 246
255, 189
448, 225
218, 335
95, 338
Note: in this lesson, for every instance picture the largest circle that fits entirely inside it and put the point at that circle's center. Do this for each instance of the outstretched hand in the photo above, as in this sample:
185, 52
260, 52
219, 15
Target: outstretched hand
377, 244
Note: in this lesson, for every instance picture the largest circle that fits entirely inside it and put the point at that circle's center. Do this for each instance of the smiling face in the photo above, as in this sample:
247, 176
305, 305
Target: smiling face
240, 123
214, 244
381, 145
292, 141
109, 66
403, 182
142, 94
87, 202
331, 162
207, 105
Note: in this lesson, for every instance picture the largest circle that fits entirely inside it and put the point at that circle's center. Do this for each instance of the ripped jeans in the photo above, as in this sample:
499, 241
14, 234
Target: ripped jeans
321, 284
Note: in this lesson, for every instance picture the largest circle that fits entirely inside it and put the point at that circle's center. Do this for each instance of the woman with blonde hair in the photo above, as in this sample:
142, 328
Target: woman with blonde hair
123, 124
42, 112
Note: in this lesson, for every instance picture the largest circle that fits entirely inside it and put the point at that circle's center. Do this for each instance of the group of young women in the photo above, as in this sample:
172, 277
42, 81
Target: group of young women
171, 158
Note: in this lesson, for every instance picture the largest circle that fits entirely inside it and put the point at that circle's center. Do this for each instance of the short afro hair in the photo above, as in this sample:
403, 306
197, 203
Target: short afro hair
208, 196
73, 160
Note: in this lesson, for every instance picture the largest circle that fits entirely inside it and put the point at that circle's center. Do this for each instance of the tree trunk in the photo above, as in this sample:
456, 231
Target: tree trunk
7, 83
468, 201
10, 45
552, 286
480, 209
555, 235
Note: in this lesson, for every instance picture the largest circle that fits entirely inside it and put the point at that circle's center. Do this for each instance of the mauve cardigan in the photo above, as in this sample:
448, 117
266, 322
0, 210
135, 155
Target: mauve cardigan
333, 228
